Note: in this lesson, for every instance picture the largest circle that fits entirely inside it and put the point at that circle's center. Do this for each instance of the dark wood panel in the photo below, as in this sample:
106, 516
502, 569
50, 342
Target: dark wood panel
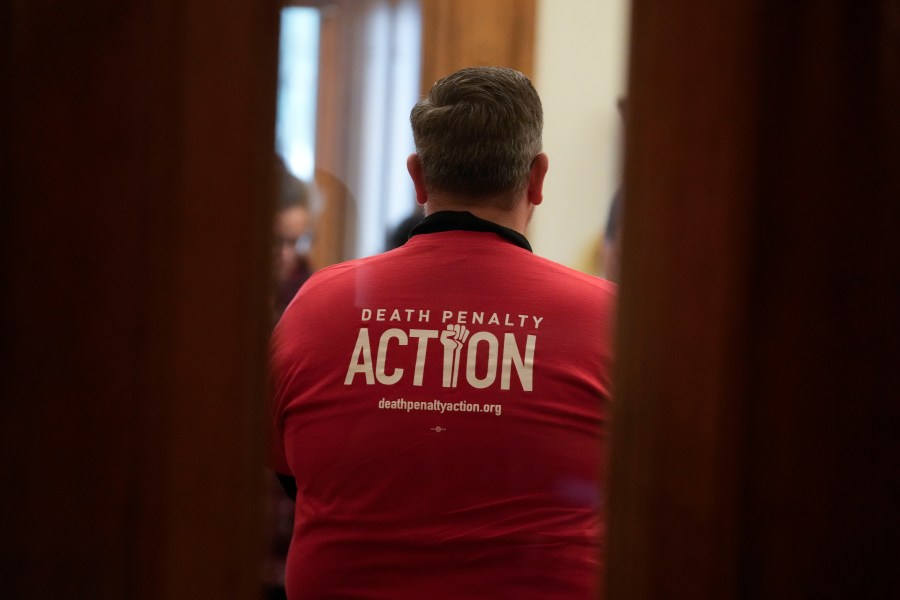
688, 195
754, 445
137, 214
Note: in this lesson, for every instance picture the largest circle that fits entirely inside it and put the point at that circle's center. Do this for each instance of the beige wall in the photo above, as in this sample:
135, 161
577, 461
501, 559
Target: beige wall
580, 73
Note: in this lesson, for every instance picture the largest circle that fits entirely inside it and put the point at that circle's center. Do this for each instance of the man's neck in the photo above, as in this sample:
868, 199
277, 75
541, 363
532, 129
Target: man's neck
516, 218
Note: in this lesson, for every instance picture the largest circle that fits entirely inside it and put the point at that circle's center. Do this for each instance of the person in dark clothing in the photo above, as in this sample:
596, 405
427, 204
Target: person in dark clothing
397, 236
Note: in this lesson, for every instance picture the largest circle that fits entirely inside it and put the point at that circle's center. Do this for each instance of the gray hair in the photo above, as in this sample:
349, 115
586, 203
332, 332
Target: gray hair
478, 132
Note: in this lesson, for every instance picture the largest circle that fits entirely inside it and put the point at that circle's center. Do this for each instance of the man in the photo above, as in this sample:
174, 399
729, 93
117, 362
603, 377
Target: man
443, 406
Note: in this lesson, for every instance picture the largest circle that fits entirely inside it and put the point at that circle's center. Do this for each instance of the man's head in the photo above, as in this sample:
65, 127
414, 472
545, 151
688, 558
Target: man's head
478, 133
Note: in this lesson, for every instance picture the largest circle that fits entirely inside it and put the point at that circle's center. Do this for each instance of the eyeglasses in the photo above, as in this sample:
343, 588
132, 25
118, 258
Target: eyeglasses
300, 245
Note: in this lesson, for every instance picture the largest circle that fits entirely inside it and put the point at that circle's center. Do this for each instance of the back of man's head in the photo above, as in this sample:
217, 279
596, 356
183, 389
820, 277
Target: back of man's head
478, 132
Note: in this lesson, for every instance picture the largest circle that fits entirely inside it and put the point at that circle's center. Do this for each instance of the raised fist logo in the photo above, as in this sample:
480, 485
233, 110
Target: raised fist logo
453, 338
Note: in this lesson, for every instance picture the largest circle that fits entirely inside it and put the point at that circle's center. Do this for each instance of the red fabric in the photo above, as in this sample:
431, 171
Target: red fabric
497, 497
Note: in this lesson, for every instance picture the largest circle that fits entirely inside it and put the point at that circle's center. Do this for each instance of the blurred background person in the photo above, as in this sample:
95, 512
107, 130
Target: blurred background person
398, 235
610, 238
294, 234
609, 248
293, 238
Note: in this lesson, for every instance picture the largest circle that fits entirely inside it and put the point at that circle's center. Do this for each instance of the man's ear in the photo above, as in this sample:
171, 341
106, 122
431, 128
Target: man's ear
414, 166
539, 167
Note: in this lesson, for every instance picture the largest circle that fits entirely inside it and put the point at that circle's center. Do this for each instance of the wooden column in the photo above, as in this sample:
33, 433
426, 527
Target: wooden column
466, 33
333, 136
137, 148
755, 434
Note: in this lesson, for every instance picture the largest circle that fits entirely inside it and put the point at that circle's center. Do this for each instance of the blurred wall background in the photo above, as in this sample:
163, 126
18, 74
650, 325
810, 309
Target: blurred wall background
580, 60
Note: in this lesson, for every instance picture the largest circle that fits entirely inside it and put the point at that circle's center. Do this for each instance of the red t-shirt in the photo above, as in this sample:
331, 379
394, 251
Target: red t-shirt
443, 408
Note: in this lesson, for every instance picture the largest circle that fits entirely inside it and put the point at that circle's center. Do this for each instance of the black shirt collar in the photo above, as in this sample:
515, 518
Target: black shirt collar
451, 220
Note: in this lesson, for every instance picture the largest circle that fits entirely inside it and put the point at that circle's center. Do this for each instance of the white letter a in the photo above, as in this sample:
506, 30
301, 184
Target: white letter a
361, 362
